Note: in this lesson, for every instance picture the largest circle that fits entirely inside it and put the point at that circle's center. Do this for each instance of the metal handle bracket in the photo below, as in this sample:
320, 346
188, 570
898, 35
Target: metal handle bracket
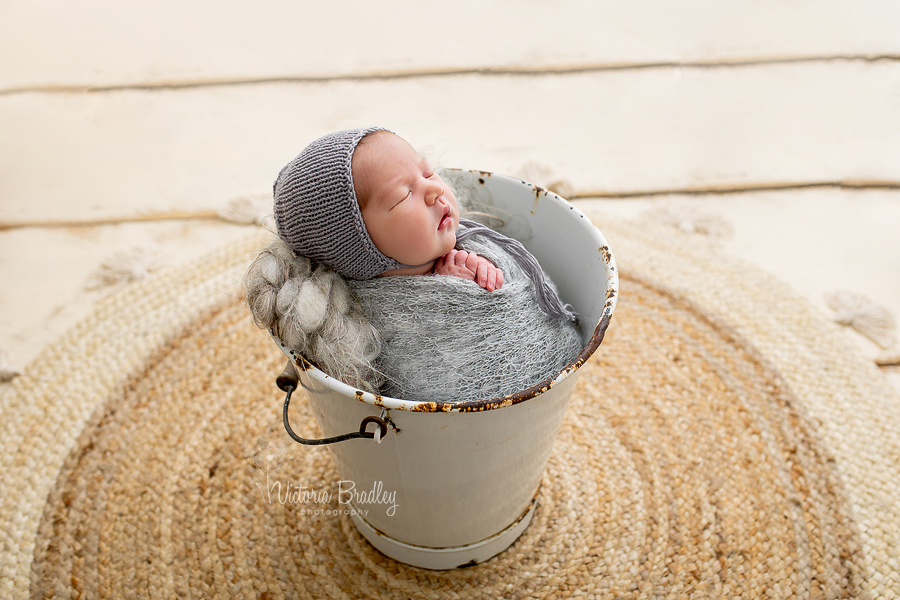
288, 382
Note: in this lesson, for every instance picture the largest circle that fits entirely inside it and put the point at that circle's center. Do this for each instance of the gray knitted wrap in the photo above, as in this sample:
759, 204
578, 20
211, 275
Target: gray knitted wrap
446, 339
316, 210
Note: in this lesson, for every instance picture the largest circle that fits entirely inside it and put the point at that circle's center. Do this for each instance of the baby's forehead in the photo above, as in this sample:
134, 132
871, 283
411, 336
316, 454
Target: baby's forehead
381, 143
382, 149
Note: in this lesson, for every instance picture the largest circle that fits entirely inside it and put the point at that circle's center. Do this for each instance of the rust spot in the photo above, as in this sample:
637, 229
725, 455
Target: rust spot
604, 250
390, 422
538, 190
485, 174
481, 180
359, 395
491, 404
574, 366
471, 563
378, 531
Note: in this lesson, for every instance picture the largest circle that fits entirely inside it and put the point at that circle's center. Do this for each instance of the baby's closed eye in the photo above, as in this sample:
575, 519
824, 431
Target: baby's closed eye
408, 194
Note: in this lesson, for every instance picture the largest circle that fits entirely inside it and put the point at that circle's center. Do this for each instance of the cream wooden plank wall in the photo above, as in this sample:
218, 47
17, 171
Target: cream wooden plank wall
127, 42
680, 117
78, 156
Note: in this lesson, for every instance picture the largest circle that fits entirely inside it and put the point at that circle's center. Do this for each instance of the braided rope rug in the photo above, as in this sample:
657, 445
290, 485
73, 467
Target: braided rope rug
724, 442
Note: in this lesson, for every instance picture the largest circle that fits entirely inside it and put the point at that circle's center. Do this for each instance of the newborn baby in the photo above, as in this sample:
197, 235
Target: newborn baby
428, 307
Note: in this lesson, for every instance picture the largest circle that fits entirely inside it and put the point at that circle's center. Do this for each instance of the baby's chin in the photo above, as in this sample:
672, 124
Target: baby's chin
451, 244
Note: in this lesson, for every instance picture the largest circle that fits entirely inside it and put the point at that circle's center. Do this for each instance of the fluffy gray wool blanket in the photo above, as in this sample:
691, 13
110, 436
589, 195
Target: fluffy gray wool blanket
425, 338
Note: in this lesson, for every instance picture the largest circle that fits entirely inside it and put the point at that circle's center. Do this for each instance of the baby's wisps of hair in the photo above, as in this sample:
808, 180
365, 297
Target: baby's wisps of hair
375, 279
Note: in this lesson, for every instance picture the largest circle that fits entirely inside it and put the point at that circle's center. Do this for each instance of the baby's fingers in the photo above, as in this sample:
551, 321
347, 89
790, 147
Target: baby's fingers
473, 262
494, 279
439, 264
481, 274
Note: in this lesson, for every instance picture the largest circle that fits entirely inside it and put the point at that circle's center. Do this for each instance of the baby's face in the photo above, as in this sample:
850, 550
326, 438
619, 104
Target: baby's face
409, 211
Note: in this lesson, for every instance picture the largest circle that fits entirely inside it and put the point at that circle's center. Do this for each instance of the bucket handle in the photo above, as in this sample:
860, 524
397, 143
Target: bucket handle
287, 382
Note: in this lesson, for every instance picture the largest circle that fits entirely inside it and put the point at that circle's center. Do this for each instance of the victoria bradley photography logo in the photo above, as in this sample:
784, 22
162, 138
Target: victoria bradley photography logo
271, 458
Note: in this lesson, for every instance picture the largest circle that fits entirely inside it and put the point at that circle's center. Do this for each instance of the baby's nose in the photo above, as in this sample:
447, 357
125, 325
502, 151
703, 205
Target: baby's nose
434, 191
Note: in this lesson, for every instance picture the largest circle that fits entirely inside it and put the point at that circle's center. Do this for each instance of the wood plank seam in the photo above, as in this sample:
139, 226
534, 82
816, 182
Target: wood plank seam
430, 73
583, 195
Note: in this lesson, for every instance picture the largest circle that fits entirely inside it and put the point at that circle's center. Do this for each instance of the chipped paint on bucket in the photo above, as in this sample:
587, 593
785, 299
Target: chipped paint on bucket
465, 476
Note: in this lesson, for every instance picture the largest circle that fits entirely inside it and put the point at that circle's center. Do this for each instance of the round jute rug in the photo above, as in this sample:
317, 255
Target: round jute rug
724, 442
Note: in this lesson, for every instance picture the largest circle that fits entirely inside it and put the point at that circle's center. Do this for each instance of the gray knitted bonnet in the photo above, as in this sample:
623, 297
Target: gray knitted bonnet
316, 210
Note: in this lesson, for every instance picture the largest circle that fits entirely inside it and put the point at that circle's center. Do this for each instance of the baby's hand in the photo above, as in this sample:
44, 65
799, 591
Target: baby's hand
469, 265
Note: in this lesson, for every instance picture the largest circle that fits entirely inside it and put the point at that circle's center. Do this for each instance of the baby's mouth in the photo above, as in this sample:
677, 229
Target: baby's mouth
445, 220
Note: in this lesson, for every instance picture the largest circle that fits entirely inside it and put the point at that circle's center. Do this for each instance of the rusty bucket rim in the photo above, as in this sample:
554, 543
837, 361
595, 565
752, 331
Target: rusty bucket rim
612, 292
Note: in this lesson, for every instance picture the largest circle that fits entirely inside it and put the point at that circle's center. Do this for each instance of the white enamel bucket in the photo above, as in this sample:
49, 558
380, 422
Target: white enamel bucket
452, 485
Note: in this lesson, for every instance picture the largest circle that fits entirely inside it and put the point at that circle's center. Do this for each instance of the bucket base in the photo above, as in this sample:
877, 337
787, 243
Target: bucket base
445, 558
